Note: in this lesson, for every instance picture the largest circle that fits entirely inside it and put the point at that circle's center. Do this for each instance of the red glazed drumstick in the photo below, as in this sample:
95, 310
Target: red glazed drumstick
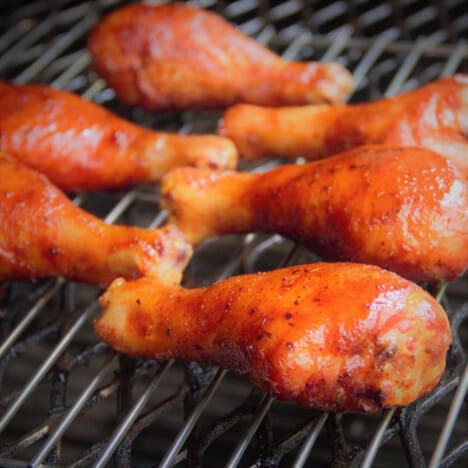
338, 337
42, 234
175, 56
82, 146
404, 209
434, 116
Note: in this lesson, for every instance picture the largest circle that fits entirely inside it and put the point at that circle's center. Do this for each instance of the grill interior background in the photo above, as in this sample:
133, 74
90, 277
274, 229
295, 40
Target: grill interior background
67, 399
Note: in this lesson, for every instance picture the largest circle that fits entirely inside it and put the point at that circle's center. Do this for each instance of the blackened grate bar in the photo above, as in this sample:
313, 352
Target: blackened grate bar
63, 403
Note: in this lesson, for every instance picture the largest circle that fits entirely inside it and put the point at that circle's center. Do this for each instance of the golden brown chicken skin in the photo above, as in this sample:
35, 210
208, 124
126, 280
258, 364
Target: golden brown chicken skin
404, 209
175, 56
82, 146
434, 116
338, 337
43, 234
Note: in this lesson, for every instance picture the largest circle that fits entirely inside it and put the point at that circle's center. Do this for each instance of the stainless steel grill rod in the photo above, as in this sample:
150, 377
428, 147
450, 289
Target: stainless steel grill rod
124, 426
460, 51
47, 364
405, 69
53, 287
450, 421
192, 419
254, 425
43, 28
370, 57
293, 49
78, 66
67, 39
308, 444
91, 92
337, 46
73, 412
374, 446
9, 36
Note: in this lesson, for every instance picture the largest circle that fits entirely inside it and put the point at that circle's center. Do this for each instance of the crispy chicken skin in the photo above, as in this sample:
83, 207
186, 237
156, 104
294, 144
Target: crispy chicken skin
42, 234
338, 337
175, 56
81, 146
434, 116
404, 209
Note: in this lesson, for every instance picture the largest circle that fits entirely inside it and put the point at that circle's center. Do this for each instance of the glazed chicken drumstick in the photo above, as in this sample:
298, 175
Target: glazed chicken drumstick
434, 116
404, 209
42, 234
82, 146
175, 56
338, 337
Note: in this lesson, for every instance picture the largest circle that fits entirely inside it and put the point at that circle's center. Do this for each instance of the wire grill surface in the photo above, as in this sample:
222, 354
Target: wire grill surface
67, 399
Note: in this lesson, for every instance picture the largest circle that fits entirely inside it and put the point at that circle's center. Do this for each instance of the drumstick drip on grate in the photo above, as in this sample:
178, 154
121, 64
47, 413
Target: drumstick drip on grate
338, 337
404, 209
42, 234
175, 56
434, 116
82, 146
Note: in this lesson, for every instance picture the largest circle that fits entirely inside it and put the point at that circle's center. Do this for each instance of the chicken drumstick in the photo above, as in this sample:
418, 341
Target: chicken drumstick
405, 209
174, 56
42, 234
338, 337
82, 146
434, 116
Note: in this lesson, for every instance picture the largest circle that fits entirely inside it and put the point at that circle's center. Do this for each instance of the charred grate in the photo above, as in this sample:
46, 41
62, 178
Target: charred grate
68, 400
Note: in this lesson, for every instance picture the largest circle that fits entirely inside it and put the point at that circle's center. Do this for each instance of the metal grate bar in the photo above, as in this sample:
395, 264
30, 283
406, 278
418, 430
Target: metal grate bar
73, 412
62, 44
43, 28
370, 58
53, 287
374, 446
37, 7
11, 35
293, 49
47, 364
95, 88
252, 429
123, 427
337, 46
238, 8
406, 67
329, 12
192, 419
308, 444
284, 9
454, 60
77, 67
159, 219
265, 35
121, 206
375, 14
450, 421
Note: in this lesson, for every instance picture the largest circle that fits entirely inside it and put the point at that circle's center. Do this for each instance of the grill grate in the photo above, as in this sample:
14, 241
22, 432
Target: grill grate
68, 400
